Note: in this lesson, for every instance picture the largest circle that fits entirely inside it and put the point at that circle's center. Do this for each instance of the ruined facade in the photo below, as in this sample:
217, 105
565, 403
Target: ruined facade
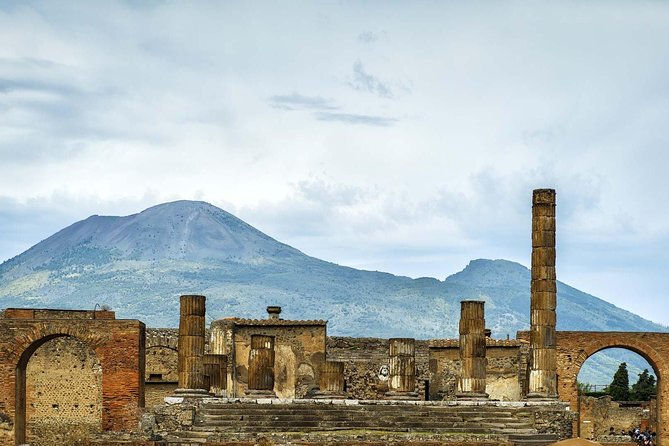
270, 357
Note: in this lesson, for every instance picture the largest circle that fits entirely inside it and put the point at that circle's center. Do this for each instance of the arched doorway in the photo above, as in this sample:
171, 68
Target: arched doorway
575, 347
608, 415
63, 392
118, 344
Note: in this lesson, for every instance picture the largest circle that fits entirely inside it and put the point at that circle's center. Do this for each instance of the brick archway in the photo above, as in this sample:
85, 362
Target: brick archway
575, 347
119, 345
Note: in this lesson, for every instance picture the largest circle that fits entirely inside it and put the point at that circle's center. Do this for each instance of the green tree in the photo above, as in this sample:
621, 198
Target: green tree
644, 387
620, 386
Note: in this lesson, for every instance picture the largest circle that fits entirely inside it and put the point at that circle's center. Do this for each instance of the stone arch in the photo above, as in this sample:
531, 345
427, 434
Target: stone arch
574, 348
118, 344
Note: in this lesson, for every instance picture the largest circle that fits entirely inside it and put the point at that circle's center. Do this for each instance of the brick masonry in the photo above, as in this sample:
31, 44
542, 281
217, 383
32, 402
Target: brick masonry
117, 344
574, 347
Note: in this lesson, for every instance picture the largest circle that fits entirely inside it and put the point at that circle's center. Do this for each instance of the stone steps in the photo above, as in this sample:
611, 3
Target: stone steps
532, 439
243, 418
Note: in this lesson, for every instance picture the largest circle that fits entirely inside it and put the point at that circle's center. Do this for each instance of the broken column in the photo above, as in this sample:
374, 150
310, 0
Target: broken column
543, 293
472, 380
331, 381
402, 369
261, 366
191, 346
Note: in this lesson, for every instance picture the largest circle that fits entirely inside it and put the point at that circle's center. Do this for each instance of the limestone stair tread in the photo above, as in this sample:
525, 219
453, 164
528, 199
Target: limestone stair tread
220, 418
532, 439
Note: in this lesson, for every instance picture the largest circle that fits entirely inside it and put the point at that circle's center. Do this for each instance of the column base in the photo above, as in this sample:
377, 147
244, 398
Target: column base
254, 393
190, 393
324, 395
471, 396
536, 396
404, 396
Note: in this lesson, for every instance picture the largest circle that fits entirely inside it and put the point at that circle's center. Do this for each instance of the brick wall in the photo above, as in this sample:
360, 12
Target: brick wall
117, 344
63, 391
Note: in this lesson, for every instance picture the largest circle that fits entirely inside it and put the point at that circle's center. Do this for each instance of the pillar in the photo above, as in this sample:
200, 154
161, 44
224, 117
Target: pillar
402, 369
543, 298
472, 380
191, 346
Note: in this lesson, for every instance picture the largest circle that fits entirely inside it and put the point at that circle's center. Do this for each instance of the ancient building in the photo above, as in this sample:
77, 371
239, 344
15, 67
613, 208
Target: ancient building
270, 357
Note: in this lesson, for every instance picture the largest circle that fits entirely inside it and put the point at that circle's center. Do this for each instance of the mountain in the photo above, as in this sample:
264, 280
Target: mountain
140, 264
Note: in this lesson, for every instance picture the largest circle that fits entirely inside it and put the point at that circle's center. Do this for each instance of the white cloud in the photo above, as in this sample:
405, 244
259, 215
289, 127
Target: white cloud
458, 110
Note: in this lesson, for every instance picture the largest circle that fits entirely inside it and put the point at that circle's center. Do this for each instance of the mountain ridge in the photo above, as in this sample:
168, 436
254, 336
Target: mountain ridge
139, 265
197, 247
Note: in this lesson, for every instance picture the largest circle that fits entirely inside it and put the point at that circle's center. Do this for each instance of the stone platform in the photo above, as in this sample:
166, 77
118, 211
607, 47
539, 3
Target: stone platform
246, 420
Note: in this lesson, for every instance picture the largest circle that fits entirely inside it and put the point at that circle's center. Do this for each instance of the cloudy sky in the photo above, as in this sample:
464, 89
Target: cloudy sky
397, 136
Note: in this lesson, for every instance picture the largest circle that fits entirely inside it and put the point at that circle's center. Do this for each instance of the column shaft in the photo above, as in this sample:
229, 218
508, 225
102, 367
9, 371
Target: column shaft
472, 380
543, 298
191, 342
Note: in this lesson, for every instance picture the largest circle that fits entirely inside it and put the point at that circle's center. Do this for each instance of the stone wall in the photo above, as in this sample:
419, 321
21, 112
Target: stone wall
599, 417
366, 364
503, 369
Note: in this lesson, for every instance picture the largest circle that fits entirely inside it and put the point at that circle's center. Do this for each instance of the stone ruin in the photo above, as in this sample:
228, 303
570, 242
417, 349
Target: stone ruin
240, 378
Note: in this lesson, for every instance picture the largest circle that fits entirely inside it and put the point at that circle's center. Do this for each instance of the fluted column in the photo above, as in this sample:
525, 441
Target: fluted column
331, 381
402, 369
191, 345
472, 380
543, 298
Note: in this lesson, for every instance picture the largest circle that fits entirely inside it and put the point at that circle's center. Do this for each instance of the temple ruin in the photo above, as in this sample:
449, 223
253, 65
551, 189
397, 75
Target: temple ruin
70, 377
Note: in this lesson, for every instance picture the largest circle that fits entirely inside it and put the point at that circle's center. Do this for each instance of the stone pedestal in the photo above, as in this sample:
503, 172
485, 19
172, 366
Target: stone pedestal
472, 380
191, 347
543, 296
402, 369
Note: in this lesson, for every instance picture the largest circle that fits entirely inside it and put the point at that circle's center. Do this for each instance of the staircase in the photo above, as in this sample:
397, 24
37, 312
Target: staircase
217, 420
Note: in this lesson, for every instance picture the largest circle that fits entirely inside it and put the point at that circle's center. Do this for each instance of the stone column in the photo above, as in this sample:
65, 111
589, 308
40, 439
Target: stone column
331, 382
472, 380
402, 369
543, 294
191, 346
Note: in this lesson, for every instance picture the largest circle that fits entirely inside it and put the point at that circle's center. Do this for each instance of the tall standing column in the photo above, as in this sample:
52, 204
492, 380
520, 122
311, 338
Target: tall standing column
543, 294
191, 346
472, 381
402, 369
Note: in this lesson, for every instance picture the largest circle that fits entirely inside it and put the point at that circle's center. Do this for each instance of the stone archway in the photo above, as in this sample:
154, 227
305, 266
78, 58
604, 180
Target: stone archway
574, 347
118, 344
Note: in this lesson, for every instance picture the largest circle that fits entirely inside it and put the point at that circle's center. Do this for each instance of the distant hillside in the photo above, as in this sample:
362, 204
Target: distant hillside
141, 263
